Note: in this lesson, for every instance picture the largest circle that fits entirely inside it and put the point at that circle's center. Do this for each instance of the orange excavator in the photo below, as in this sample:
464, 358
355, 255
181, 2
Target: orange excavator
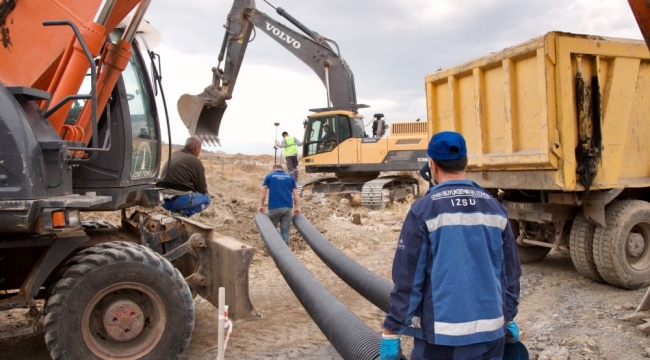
80, 132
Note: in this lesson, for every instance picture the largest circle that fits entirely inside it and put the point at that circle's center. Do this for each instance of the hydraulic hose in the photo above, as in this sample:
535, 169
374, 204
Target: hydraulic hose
371, 286
351, 337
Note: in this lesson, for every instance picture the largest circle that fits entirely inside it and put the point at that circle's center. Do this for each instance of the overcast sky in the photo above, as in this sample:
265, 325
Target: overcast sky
390, 45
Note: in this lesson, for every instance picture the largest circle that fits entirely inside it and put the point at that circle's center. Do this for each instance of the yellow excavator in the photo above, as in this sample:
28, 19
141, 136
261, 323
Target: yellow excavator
355, 158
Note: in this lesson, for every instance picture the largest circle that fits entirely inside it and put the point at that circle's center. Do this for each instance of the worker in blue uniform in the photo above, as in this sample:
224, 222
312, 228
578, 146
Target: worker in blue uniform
456, 267
283, 199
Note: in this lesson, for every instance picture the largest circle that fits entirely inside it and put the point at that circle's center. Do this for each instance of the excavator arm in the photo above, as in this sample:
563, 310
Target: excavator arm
202, 114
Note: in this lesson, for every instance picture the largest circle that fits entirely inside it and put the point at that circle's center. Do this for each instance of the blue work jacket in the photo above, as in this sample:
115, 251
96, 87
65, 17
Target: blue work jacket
456, 267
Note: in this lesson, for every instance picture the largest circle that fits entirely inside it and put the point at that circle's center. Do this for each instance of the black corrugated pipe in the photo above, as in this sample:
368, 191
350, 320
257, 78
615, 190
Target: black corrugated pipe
371, 286
351, 337
368, 284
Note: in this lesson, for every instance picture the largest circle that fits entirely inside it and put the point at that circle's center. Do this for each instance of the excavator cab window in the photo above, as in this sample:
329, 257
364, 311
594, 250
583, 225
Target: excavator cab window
137, 94
345, 132
324, 133
144, 130
142, 113
357, 128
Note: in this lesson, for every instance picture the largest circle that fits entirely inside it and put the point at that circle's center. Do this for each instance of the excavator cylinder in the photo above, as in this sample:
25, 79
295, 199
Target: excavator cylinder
74, 71
117, 58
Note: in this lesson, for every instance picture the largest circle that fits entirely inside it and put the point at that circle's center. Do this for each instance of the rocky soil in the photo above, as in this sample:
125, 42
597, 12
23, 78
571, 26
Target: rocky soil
562, 315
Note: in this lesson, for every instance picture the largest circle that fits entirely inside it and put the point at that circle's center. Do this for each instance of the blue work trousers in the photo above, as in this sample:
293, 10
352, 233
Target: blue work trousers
483, 351
189, 204
283, 216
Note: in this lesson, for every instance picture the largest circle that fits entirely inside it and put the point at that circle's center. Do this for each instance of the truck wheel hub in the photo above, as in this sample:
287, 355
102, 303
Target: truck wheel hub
635, 244
123, 320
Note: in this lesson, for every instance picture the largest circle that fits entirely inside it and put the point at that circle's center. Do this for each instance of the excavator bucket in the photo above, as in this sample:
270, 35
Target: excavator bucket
642, 314
202, 113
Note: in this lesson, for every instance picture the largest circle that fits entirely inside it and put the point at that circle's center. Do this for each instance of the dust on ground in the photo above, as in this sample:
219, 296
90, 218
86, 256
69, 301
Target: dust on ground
562, 315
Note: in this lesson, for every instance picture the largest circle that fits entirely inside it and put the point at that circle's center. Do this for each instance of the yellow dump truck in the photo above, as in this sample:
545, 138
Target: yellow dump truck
558, 128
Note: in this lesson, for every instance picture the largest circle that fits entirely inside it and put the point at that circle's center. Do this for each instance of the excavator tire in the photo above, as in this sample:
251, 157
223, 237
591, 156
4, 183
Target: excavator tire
119, 301
581, 248
622, 248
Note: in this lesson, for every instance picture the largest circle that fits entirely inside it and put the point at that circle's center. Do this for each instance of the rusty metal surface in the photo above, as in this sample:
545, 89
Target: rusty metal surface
230, 270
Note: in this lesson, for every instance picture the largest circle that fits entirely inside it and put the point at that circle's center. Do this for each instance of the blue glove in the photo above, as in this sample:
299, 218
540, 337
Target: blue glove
389, 349
512, 332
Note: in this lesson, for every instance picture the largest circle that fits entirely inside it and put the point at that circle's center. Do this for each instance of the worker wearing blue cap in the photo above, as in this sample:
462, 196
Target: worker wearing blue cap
456, 267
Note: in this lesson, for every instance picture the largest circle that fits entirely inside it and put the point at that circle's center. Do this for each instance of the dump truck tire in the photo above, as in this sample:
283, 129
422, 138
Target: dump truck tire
119, 302
581, 244
622, 249
528, 254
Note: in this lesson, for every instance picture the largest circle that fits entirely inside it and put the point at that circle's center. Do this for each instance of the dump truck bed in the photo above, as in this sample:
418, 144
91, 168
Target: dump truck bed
524, 114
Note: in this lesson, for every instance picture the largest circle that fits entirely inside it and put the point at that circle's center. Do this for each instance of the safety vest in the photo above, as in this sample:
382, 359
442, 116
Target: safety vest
290, 148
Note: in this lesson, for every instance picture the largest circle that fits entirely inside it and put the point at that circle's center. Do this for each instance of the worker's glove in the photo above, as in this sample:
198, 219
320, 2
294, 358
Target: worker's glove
512, 332
389, 349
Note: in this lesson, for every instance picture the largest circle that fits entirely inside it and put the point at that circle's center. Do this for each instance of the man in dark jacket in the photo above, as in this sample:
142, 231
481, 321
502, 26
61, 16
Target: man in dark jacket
456, 267
186, 188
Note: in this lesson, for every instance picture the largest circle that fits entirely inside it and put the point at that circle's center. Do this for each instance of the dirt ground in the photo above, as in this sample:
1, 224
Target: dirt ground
562, 315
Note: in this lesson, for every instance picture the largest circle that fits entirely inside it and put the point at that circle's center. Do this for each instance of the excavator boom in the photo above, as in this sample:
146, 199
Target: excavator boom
202, 114
23, 26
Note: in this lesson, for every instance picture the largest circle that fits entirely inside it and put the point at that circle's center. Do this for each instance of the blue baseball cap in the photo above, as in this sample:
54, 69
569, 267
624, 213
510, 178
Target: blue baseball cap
447, 145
